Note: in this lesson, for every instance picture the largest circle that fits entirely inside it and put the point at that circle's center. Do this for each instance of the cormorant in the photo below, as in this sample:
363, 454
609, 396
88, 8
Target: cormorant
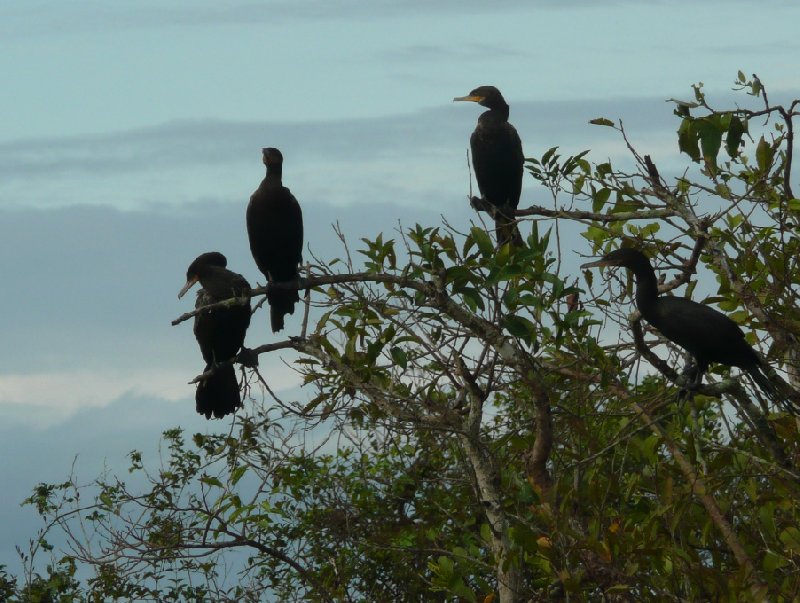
707, 334
275, 229
498, 160
220, 333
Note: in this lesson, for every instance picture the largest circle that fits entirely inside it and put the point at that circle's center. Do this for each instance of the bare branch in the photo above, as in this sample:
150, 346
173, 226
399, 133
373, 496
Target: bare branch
569, 214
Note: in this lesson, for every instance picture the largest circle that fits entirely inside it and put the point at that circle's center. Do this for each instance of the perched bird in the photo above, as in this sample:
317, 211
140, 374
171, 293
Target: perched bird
275, 229
220, 332
497, 160
707, 334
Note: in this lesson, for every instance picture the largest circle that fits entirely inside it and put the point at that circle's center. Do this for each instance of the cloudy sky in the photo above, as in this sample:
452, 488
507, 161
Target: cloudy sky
131, 137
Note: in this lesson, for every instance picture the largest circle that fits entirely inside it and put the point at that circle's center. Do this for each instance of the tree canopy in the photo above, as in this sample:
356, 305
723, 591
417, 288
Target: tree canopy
492, 423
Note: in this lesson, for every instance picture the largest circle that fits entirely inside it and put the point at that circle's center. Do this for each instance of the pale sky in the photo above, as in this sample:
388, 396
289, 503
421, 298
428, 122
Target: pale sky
131, 137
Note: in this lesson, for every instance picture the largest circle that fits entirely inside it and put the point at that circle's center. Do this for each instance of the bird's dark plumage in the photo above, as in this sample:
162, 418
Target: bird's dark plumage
220, 333
497, 159
275, 229
707, 334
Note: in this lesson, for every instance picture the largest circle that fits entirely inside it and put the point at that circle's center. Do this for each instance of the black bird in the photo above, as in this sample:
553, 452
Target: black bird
707, 334
497, 159
220, 333
275, 229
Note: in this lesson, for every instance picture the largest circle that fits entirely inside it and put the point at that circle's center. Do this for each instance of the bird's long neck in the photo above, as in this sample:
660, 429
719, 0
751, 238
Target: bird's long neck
220, 283
274, 173
497, 113
646, 286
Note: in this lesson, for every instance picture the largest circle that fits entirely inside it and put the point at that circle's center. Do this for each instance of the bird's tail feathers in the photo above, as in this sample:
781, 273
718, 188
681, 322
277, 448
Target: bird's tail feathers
281, 303
507, 231
219, 394
771, 391
281, 299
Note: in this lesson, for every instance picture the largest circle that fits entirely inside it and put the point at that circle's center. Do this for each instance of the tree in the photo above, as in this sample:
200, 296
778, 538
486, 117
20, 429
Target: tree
494, 432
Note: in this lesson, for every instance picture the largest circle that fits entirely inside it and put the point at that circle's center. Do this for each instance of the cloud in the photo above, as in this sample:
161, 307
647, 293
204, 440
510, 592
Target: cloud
335, 162
341, 162
47, 399
55, 18
90, 293
469, 52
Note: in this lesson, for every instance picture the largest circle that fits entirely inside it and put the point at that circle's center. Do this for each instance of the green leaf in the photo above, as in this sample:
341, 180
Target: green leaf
399, 357
458, 588
723, 190
733, 140
764, 155
482, 240
237, 474
503, 254
211, 481
603, 169
486, 533
650, 229
710, 136
106, 500
548, 155
459, 276
688, 139
599, 199
601, 121
472, 298
773, 561
791, 538
595, 234
518, 326
445, 566
766, 515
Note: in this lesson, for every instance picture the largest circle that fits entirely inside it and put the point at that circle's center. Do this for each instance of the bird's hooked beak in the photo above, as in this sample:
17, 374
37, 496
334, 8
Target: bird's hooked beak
474, 99
598, 264
189, 284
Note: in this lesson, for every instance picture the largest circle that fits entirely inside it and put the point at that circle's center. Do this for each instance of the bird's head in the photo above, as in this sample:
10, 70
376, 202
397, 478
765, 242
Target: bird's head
199, 267
487, 96
271, 156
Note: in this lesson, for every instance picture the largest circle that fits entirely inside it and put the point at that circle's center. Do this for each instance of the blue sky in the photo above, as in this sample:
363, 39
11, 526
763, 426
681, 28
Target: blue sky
131, 142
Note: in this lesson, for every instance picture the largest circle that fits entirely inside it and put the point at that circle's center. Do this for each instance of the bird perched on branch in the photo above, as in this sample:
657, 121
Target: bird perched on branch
498, 161
707, 334
275, 229
219, 332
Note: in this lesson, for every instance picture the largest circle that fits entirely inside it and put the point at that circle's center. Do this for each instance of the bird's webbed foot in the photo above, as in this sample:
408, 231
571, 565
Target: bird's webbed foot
247, 358
294, 284
693, 375
217, 363
690, 381
480, 204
